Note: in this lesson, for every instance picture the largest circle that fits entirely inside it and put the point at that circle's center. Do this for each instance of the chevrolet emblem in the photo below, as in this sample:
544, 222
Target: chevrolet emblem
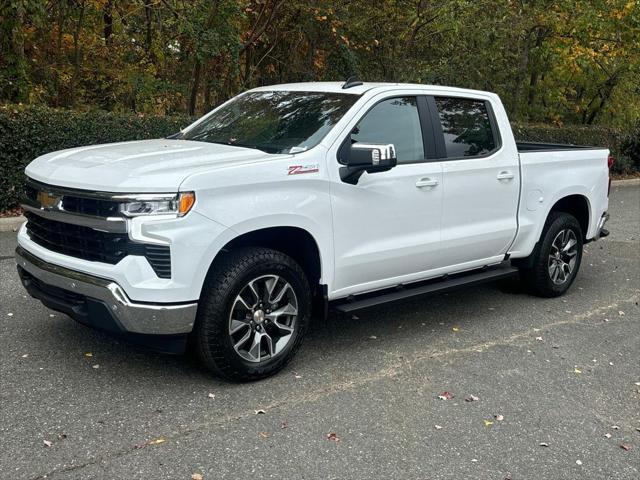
48, 200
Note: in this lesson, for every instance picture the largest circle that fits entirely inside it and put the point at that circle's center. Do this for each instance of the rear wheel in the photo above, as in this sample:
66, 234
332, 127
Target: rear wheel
253, 314
556, 260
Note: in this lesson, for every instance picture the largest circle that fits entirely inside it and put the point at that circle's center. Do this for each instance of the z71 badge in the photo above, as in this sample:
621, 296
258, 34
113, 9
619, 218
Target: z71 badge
300, 169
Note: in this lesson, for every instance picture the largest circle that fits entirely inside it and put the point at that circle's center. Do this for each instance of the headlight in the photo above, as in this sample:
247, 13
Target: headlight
153, 204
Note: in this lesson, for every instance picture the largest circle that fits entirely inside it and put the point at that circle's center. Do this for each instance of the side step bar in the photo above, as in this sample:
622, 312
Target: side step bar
441, 285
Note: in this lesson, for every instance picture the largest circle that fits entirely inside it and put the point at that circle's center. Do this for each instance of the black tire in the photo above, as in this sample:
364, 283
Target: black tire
225, 281
538, 278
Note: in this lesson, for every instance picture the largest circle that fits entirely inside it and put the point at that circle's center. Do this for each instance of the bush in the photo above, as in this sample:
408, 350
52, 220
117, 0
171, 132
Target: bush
27, 132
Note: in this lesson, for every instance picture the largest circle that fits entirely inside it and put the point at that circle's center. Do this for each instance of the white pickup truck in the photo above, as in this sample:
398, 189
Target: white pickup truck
293, 197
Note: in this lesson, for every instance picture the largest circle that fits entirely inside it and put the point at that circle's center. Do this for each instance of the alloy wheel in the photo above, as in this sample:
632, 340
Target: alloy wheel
263, 318
563, 255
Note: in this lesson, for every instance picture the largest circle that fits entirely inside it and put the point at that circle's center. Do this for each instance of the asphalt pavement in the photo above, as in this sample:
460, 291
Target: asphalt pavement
553, 384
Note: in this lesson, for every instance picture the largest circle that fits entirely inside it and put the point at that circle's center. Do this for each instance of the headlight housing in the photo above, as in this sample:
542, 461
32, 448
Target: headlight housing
157, 204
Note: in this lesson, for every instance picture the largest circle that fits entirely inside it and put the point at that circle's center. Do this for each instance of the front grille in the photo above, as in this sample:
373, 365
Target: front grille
89, 244
90, 206
97, 207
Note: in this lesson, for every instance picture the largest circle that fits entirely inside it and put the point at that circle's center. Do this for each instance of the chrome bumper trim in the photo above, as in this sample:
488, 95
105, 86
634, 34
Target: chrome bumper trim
155, 319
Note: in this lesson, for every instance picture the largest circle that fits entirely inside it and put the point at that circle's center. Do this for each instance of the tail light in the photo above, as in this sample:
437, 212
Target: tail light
610, 162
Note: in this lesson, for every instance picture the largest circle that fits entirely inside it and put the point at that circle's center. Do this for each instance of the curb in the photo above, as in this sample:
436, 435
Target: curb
11, 224
630, 182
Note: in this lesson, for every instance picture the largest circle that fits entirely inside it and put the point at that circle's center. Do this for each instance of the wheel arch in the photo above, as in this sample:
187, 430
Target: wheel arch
577, 205
294, 241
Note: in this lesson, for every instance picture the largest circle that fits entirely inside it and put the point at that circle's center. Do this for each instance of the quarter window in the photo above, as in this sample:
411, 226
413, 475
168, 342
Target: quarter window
466, 127
393, 121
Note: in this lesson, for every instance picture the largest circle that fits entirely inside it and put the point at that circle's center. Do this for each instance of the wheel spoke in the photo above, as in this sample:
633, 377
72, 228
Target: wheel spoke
270, 346
242, 341
237, 325
256, 346
242, 302
278, 298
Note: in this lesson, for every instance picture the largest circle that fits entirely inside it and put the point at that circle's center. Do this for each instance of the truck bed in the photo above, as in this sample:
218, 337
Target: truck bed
545, 147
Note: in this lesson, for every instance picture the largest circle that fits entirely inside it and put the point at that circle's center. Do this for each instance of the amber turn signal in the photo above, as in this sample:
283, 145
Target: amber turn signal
185, 202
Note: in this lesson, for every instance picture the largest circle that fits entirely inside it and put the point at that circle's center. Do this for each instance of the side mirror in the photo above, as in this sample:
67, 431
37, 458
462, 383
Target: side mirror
366, 157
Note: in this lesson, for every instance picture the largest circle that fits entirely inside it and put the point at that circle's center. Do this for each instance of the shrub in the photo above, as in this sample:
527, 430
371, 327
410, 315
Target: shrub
27, 132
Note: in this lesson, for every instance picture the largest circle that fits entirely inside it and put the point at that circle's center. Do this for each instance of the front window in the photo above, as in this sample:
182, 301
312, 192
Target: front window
274, 121
395, 121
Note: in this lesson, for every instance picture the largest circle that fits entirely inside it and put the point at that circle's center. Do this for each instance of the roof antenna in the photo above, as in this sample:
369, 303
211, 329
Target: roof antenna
352, 81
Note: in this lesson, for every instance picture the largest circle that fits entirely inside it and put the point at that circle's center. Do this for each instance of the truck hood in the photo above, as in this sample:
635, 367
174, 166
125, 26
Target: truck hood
140, 166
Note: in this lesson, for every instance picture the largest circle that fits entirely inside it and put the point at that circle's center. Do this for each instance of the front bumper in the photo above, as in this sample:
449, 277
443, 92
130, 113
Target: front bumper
100, 302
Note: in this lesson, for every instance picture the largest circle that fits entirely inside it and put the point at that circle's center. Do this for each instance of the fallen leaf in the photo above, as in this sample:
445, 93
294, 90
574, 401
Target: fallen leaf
96, 366
259, 412
499, 417
615, 427
607, 435
543, 444
355, 317
488, 423
197, 476
626, 448
157, 441
437, 427
47, 443
9, 314
25, 355
621, 313
539, 339
332, 437
297, 376
637, 384
264, 434
62, 436
373, 337
212, 395
51, 315
474, 460
455, 329
578, 462
576, 370
445, 396
284, 424
88, 354
471, 398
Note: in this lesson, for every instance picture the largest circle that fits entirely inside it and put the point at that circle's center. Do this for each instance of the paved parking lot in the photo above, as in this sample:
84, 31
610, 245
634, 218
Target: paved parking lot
553, 379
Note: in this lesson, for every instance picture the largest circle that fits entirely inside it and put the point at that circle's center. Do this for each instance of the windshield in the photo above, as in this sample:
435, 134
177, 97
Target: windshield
275, 122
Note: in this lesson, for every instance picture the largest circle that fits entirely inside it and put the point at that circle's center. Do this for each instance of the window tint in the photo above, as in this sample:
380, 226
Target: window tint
393, 121
466, 127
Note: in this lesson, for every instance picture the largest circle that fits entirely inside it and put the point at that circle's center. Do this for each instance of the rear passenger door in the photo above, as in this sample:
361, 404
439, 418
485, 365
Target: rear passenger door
481, 181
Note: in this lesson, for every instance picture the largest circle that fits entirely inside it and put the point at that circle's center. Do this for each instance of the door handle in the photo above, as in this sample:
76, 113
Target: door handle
505, 175
426, 182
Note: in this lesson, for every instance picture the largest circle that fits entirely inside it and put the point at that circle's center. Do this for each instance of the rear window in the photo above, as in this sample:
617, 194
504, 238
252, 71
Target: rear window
466, 127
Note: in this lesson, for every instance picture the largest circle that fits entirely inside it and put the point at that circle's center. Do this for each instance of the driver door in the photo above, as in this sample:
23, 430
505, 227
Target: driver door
387, 226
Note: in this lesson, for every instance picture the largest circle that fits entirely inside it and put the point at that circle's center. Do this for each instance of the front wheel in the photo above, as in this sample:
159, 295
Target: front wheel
557, 257
253, 314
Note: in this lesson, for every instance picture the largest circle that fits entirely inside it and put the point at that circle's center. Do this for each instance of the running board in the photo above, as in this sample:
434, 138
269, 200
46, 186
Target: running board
441, 285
